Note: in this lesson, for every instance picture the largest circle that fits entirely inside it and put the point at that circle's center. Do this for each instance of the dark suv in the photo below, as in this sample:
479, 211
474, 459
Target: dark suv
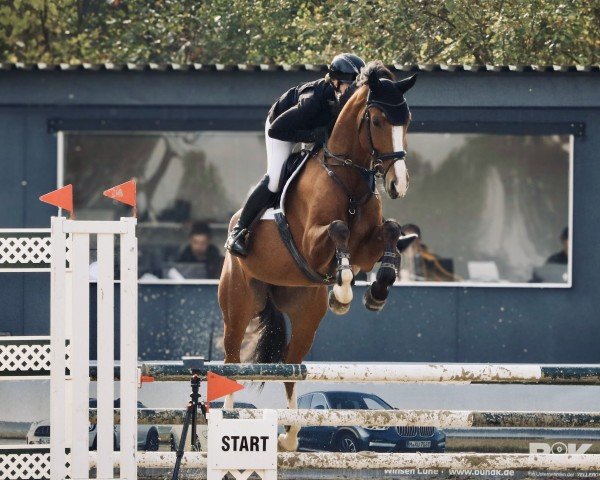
354, 439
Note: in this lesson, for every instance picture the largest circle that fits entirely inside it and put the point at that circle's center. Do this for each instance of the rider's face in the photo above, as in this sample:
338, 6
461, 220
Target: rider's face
340, 88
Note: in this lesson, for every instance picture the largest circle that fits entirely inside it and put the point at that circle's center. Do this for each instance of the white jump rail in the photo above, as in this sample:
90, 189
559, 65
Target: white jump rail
380, 461
458, 373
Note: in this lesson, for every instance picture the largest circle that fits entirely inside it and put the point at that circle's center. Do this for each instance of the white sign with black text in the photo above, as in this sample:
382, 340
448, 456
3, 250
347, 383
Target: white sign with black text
242, 444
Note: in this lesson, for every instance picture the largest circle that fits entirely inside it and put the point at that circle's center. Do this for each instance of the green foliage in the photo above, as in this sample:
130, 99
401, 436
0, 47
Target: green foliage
300, 31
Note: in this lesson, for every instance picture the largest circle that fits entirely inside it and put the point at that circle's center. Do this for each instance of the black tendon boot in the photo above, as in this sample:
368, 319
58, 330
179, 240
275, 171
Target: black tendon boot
259, 199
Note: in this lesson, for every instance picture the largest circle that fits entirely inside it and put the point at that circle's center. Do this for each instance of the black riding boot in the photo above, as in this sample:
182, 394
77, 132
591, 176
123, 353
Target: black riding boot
259, 200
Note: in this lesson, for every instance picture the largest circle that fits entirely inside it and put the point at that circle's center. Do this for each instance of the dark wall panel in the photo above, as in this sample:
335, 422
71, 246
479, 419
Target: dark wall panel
14, 140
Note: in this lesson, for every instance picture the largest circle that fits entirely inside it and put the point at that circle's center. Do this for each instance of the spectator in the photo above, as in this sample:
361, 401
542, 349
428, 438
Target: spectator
555, 268
419, 264
200, 250
561, 257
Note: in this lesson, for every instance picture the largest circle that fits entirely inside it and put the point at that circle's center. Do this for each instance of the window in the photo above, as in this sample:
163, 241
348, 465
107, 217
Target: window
319, 402
492, 210
304, 402
374, 403
189, 186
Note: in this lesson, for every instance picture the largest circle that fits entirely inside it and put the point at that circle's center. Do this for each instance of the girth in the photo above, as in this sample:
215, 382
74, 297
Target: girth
305, 268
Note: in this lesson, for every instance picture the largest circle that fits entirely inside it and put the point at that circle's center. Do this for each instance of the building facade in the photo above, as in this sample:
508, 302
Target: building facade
503, 161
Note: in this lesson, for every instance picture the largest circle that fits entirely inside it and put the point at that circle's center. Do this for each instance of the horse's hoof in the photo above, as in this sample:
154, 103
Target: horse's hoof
372, 303
337, 307
287, 443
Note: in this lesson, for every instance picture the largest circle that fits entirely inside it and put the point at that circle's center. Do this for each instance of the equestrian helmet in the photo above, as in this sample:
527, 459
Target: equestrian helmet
345, 67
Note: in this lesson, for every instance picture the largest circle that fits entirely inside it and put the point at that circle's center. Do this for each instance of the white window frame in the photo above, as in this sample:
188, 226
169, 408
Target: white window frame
462, 284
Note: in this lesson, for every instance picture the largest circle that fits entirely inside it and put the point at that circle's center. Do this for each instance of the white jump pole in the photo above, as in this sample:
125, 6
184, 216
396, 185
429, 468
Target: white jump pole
70, 394
58, 336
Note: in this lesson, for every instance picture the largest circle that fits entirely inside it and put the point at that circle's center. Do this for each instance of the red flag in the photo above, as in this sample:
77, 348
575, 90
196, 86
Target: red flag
124, 193
61, 198
219, 386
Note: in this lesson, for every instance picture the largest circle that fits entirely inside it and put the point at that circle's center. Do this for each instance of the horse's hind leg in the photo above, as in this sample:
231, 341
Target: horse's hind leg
305, 307
377, 293
341, 294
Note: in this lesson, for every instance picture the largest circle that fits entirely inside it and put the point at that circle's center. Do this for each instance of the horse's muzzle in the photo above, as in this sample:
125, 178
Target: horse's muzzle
390, 188
398, 185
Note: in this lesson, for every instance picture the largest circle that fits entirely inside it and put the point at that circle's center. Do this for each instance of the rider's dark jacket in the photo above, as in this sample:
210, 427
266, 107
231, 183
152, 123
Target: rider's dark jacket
301, 113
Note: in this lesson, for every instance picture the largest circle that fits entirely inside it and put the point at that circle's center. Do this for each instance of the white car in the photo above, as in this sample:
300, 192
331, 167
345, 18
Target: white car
39, 434
148, 439
201, 430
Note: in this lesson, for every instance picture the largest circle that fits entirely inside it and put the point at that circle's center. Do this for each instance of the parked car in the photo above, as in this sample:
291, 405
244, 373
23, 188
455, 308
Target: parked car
354, 439
148, 439
201, 430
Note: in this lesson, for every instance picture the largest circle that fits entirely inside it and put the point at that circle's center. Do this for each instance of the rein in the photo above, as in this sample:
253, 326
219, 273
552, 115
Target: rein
367, 174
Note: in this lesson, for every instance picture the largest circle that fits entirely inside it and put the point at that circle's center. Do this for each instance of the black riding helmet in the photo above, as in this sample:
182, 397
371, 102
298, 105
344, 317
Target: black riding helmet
345, 67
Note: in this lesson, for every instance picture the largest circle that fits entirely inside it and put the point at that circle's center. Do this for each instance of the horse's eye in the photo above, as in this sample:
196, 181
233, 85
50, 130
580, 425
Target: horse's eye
376, 122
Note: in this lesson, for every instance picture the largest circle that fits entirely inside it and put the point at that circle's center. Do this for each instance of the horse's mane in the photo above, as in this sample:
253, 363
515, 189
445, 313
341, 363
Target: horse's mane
376, 68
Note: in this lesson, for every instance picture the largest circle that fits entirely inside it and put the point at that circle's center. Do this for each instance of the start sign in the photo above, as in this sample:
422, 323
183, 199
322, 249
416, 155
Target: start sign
235, 444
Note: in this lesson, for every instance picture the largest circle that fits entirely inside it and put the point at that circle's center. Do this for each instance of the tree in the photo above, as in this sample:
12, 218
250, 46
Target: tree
300, 31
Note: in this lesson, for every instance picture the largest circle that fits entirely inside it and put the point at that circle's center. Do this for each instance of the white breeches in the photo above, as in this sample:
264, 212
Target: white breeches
277, 153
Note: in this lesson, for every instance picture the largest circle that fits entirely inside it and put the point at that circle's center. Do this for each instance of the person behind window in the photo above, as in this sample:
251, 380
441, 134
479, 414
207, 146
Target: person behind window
304, 113
555, 268
419, 264
201, 251
561, 257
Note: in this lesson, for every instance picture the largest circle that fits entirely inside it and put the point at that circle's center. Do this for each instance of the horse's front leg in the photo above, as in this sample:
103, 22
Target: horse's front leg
377, 293
341, 295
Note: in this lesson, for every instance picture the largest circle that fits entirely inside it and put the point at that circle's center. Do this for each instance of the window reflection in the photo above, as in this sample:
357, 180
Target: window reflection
490, 208
189, 185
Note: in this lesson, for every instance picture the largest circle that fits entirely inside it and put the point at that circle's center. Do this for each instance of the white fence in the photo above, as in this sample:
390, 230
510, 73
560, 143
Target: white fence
64, 250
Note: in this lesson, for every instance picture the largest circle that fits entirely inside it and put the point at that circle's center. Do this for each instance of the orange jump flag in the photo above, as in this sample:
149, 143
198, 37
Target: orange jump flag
219, 386
61, 198
124, 193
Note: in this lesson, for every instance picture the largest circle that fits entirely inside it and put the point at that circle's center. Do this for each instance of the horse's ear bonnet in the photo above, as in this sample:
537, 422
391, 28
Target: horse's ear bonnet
388, 96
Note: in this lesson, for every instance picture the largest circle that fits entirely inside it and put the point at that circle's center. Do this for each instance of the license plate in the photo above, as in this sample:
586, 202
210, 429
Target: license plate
418, 444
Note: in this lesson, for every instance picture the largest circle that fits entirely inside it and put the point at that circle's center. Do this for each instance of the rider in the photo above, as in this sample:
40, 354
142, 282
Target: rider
302, 114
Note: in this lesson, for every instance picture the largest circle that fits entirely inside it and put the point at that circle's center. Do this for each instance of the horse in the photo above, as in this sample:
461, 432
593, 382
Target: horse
334, 213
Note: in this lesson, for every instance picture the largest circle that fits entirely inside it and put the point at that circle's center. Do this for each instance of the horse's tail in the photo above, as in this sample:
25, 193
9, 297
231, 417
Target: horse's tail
272, 331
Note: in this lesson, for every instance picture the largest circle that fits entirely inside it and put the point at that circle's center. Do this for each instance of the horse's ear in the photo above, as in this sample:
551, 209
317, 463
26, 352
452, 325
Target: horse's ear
406, 84
373, 80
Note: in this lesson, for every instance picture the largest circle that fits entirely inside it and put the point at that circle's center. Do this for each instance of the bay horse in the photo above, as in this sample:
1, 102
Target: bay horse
335, 220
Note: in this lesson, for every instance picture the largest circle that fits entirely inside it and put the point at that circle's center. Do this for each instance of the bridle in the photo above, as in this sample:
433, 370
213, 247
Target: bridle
377, 159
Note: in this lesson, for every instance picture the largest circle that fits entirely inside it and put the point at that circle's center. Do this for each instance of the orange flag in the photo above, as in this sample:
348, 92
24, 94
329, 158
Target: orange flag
61, 198
219, 386
124, 193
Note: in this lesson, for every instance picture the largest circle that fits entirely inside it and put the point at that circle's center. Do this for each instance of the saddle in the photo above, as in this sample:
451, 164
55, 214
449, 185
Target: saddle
290, 170
290, 166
